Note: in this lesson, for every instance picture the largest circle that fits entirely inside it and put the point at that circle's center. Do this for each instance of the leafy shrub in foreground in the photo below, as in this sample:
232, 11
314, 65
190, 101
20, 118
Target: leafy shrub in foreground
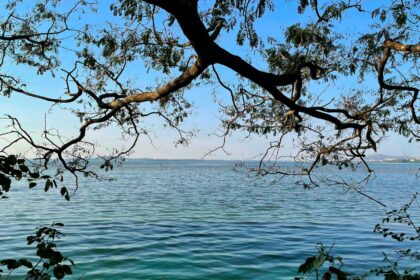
50, 259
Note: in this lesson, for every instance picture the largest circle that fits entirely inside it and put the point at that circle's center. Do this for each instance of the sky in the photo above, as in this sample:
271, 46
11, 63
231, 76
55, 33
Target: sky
205, 118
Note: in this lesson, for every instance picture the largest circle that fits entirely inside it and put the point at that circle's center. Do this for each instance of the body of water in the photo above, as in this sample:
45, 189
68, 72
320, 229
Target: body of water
202, 220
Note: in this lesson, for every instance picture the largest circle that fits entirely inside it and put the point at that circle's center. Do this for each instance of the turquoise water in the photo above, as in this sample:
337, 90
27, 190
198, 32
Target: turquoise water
202, 220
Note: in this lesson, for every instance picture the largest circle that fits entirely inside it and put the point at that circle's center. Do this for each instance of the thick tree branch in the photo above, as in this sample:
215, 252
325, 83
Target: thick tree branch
188, 18
401, 47
186, 78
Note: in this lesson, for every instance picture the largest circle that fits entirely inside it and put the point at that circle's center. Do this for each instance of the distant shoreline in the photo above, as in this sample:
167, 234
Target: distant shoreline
250, 160
394, 161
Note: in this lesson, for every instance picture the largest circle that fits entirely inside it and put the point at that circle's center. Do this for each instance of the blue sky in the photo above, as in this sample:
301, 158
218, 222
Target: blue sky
205, 116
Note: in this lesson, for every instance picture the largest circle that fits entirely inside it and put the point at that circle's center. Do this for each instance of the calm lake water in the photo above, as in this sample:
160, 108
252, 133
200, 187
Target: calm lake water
202, 220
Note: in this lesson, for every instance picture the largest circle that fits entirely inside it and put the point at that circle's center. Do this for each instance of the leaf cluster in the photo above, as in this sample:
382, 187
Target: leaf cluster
51, 261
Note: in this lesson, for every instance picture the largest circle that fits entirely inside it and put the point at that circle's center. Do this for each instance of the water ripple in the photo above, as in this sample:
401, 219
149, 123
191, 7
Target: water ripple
200, 220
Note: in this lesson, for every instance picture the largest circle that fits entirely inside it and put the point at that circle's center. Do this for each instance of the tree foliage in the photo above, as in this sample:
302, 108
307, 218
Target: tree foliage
50, 260
400, 225
181, 44
337, 91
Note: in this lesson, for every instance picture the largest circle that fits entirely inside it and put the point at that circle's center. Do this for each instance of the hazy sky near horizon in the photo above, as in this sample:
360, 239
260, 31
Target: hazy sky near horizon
205, 119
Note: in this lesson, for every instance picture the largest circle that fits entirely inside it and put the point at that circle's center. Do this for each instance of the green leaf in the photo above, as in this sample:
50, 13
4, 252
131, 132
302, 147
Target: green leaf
312, 263
24, 168
326, 276
24, 262
48, 185
56, 257
31, 239
59, 272
5, 182
34, 175
45, 253
67, 269
64, 192
11, 160
10, 263
341, 275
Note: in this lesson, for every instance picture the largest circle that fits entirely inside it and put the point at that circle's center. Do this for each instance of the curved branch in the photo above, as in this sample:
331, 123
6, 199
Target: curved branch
193, 28
392, 45
401, 47
55, 100
185, 79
